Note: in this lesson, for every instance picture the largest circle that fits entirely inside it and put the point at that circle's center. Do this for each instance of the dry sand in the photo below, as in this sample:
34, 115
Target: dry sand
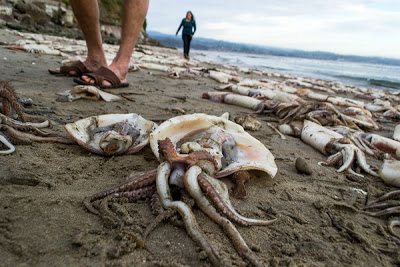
44, 223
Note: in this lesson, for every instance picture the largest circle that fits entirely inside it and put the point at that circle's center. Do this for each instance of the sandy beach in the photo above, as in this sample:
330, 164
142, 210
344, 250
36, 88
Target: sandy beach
43, 221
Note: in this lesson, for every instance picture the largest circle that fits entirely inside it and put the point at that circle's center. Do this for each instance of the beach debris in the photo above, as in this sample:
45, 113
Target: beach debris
320, 112
276, 130
359, 191
391, 224
387, 205
248, 122
265, 93
220, 76
303, 167
293, 129
87, 92
19, 127
133, 68
224, 87
273, 90
4, 141
112, 134
71, 60
225, 115
334, 144
25, 101
396, 133
346, 142
378, 144
153, 66
390, 172
193, 150
179, 110
234, 99
35, 49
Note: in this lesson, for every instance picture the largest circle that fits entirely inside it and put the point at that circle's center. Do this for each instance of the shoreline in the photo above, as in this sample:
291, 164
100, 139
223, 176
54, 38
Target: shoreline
288, 65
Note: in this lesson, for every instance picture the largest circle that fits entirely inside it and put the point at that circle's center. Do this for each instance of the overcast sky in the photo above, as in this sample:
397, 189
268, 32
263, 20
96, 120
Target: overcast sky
358, 27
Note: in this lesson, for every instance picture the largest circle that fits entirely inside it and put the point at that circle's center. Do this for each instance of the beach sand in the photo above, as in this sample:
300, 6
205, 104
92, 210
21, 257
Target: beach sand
44, 223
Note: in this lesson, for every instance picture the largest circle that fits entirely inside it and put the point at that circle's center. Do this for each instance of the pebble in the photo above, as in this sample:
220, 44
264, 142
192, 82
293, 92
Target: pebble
302, 167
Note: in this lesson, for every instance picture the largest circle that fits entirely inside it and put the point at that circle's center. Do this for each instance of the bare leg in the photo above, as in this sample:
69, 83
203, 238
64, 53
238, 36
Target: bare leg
87, 14
134, 13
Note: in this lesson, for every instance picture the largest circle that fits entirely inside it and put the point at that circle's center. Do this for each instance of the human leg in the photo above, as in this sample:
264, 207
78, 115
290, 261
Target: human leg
134, 13
188, 45
185, 44
87, 14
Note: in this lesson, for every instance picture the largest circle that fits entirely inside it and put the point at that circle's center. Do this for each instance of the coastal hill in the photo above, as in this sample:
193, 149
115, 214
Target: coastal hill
201, 43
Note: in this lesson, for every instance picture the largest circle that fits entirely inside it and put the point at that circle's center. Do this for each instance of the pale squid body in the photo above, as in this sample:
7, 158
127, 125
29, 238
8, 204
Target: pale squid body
240, 151
390, 172
112, 134
332, 143
396, 133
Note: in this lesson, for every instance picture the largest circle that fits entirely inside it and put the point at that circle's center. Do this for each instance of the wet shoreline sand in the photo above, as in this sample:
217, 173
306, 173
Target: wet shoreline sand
44, 223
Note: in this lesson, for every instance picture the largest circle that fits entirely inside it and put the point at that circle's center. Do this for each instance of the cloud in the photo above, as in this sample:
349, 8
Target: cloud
363, 27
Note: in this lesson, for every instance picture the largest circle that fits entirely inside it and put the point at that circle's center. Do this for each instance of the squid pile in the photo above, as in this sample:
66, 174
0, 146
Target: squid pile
194, 151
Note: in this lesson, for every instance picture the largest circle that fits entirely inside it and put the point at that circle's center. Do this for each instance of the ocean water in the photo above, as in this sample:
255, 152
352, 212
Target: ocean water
379, 76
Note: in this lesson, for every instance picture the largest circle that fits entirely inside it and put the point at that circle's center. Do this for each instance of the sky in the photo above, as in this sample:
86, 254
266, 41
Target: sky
355, 27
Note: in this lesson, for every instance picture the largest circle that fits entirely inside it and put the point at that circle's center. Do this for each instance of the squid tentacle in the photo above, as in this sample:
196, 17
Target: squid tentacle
363, 163
331, 160
193, 187
10, 146
188, 217
217, 192
348, 158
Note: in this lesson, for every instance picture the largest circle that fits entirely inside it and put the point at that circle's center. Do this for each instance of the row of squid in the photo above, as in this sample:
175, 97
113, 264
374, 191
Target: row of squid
339, 134
343, 134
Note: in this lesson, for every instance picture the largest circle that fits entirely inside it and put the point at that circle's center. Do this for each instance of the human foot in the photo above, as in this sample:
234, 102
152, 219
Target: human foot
74, 69
77, 68
103, 78
108, 80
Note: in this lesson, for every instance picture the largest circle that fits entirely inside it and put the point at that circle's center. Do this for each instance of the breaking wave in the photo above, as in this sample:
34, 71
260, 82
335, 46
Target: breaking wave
373, 82
384, 83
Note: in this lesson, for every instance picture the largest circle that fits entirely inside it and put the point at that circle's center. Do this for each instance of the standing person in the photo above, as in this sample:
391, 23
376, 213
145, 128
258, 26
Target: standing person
189, 28
94, 70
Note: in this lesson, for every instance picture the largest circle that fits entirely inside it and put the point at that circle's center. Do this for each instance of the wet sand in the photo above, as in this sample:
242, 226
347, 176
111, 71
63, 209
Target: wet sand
44, 223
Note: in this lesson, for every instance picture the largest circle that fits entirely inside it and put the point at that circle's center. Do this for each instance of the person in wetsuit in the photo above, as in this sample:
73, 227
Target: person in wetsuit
189, 28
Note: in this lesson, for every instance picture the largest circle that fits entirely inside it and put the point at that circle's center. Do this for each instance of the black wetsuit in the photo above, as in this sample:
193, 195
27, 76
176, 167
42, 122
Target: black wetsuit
189, 28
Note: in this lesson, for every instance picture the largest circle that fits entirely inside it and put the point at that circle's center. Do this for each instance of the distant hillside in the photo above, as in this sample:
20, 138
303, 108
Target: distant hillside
217, 45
